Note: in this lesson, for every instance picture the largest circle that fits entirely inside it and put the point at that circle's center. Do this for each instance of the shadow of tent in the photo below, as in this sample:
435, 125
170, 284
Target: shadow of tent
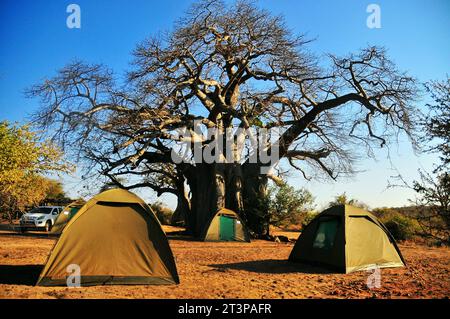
273, 266
20, 274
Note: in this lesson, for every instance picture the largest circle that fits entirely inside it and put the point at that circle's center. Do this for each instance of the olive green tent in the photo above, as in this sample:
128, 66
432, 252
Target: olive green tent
115, 238
348, 239
67, 214
226, 225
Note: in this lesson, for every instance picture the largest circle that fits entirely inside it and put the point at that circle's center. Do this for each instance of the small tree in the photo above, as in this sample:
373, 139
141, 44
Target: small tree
434, 197
55, 193
343, 199
434, 191
163, 213
437, 122
23, 158
288, 205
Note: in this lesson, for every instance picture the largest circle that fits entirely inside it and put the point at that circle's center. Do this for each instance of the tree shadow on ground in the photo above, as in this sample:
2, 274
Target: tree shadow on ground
181, 236
20, 274
273, 266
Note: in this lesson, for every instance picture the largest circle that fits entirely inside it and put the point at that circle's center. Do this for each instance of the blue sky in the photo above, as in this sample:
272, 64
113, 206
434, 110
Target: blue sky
35, 41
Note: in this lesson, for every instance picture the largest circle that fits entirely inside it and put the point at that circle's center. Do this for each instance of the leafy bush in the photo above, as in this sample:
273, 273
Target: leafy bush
308, 218
400, 226
24, 158
343, 199
162, 212
289, 206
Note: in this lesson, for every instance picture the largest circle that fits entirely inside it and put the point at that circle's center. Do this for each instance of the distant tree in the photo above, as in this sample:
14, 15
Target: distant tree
163, 213
23, 160
433, 189
434, 196
343, 199
437, 122
288, 205
55, 193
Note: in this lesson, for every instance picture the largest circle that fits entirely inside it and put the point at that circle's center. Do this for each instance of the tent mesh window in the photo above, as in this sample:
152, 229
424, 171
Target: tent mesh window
326, 233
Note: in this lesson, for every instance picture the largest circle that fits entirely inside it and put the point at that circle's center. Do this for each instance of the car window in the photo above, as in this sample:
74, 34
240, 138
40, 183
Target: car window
55, 211
41, 210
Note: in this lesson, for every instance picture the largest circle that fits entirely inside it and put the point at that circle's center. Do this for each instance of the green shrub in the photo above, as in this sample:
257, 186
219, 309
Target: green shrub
288, 206
400, 226
162, 212
308, 218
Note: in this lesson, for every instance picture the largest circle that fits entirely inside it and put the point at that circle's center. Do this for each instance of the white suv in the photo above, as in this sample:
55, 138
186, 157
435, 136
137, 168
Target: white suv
42, 217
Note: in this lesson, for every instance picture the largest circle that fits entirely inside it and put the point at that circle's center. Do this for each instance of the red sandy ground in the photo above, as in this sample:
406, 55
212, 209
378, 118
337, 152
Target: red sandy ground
232, 270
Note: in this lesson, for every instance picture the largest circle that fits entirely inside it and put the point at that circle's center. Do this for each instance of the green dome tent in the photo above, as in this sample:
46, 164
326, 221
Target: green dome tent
66, 215
226, 225
348, 239
115, 238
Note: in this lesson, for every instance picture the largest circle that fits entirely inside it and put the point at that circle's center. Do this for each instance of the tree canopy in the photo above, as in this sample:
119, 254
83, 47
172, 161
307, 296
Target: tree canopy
289, 206
55, 193
434, 191
344, 199
437, 122
226, 66
23, 160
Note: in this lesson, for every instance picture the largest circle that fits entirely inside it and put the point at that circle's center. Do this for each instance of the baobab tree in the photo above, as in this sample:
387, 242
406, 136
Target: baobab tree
222, 67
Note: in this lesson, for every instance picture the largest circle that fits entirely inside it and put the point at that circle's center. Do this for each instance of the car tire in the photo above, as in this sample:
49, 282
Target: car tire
48, 226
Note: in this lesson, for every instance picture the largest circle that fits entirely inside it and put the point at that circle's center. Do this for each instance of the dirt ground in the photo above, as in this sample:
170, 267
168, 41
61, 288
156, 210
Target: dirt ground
232, 270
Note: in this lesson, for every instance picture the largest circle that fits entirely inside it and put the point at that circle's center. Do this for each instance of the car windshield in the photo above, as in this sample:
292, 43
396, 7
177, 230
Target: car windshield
41, 210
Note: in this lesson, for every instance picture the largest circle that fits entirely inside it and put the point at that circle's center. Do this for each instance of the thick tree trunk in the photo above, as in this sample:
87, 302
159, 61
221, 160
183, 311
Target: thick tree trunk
240, 188
255, 200
181, 214
207, 192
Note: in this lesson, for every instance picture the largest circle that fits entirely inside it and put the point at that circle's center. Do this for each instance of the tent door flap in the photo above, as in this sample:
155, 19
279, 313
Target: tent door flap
227, 228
